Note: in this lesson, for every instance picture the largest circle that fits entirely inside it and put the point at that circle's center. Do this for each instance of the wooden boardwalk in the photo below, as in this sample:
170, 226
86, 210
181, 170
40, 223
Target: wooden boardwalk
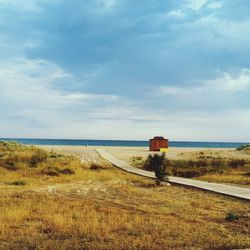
243, 193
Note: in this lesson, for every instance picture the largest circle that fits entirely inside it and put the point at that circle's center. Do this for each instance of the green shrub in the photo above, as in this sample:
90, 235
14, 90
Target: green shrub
181, 163
51, 171
68, 171
10, 163
38, 156
96, 166
247, 174
17, 183
218, 163
202, 163
235, 163
158, 164
2, 154
54, 155
192, 173
232, 217
242, 147
137, 161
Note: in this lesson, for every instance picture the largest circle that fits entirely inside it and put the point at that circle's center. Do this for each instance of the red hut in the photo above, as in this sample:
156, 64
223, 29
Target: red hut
157, 143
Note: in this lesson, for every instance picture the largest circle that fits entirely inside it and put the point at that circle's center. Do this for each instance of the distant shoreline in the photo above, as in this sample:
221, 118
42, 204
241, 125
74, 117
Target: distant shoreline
124, 143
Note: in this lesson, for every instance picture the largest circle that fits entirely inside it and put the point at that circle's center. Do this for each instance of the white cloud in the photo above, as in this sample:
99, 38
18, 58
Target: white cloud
215, 5
176, 13
24, 5
86, 97
172, 90
31, 108
227, 82
224, 28
215, 35
27, 93
196, 5
107, 4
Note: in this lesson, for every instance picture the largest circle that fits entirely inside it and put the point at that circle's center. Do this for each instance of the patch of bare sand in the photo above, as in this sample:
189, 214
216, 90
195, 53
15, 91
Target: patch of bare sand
89, 155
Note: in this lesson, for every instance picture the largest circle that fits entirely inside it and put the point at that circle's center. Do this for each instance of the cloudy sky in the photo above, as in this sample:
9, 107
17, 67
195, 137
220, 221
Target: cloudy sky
125, 69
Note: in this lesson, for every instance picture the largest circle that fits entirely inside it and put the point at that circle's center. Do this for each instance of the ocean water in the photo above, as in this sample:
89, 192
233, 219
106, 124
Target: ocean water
68, 142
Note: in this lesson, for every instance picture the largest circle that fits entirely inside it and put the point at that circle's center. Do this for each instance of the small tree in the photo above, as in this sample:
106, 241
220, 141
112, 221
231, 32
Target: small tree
158, 164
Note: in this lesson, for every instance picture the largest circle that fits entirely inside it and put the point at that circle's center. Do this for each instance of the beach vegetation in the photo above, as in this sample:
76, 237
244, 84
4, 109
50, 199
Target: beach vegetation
51, 171
232, 217
137, 161
109, 209
67, 171
243, 147
32, 161
17, 183
96, 166
208, 168
37, 156
157, 162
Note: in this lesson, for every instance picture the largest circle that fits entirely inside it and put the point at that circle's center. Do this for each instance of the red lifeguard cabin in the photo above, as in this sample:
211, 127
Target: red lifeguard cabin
157, 143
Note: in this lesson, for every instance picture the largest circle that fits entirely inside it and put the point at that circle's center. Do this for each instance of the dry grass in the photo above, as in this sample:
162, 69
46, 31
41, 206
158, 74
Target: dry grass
231, 177
110, 209
234, 171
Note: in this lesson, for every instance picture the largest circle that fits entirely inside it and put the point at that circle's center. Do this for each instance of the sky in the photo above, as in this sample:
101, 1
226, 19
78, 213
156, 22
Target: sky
125, 69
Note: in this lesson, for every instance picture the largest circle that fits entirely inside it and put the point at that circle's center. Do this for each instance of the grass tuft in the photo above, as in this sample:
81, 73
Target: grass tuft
243, 147
96, 166
232, 217
18, 183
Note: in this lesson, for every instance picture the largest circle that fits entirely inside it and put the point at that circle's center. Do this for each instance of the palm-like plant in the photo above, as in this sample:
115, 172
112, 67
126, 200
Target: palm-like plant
158, 164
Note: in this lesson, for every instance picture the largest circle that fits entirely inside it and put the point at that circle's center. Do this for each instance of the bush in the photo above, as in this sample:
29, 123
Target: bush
235, 163
217, 163
51, 171
202, 163
11, 163
181, 164
96, 166
242, 147
38, 156
137, 161
2, 154
247, 174
68, 171
158, 164
54, 155
186, 173
17, 183
232, 217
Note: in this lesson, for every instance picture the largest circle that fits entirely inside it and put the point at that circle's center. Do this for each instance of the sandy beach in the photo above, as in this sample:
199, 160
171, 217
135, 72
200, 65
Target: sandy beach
125, 153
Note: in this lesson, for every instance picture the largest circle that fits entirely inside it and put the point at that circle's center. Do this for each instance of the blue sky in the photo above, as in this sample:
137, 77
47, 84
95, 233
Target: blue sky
123, 69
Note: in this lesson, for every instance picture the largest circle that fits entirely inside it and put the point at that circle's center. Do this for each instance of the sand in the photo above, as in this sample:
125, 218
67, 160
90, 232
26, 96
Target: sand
88, 154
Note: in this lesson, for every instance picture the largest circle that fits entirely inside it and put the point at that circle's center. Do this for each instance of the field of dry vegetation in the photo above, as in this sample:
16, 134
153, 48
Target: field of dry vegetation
226, 166
49, 200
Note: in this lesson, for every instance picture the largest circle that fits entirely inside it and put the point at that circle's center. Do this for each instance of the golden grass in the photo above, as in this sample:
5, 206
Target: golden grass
236, 178
206, 169
130, 214
111, 209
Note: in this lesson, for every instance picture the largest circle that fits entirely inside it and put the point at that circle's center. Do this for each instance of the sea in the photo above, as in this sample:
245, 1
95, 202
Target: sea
126, 143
